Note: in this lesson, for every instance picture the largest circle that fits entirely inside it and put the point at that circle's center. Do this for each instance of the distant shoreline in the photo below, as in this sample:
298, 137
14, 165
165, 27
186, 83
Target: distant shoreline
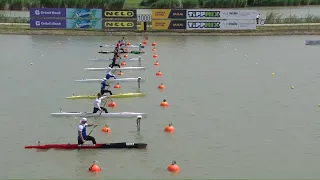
265, 30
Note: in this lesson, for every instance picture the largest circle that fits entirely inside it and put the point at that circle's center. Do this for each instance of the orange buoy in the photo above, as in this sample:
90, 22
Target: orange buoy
126, 49
94, 167
146, 38
157, 63
106, 129
153, 44
159, 73
112, 104
120, 73
164, 103
128, 43
126, 56
155, 56
161, 86
169, 128
144, 42
116, 86
123, 63
173, 167
154, 49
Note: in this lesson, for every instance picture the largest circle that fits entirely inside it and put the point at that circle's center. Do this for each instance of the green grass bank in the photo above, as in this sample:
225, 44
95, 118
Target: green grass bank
120, 4
266, 30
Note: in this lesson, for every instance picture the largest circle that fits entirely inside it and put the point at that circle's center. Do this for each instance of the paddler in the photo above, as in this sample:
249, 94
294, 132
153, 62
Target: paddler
123, 41
114, 59
103, 87
82, 133
109, 74
97, 103
119, 47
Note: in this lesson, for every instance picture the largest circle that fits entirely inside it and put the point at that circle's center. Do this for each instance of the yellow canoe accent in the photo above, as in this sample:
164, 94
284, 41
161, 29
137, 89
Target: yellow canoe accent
122, 95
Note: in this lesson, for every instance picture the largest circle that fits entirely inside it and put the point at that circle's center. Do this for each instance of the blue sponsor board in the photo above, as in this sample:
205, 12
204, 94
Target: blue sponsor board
48, 23
48, 12
84, 13
84, 24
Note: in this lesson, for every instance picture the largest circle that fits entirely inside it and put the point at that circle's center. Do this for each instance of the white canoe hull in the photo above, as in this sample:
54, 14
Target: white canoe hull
113, 80
313, 42
126, 46
110, 59
89, 114
116, 68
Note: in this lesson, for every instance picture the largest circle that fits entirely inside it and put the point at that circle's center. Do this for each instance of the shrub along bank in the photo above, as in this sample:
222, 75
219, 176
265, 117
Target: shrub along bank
119, 4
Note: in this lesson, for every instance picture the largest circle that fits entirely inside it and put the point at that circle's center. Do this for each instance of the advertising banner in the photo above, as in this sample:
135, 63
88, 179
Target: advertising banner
84, 13
84, 24
169, 14
119, 13
48, 12
221, 14
168, 24
48, 23
121, 25
221, 24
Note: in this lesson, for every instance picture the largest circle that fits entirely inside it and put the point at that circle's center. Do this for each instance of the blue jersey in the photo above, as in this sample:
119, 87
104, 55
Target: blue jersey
103, 85
83, 128
109, 75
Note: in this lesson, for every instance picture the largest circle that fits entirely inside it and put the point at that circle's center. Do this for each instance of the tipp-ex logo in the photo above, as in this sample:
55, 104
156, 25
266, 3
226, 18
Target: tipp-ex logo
204, 14
204, 25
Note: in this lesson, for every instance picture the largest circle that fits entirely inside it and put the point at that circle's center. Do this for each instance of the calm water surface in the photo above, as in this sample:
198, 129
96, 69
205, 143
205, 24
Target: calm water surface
233, 119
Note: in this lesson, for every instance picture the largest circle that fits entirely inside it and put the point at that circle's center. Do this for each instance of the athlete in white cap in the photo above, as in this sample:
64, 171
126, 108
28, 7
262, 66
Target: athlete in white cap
82, 133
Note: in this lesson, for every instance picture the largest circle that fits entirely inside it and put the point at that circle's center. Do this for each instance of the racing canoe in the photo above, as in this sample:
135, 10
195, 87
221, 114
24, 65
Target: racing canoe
125, 46
110, 59
122, 145
113, 80
122, 95
120, 69
313, 42
89, 114
129, 52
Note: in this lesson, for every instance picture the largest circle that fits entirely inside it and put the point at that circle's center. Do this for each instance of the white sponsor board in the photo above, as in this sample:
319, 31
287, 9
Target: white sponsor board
221, 14
221, 24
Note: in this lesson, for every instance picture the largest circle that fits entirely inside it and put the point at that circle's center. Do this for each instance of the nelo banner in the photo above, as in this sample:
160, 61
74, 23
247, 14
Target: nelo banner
169, 13
48, 12
119, 13
119, 24
221, 14
48, 23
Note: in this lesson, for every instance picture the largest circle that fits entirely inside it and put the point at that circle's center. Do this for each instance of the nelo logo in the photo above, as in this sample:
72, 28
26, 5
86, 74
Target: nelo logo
119, 14
119, 24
